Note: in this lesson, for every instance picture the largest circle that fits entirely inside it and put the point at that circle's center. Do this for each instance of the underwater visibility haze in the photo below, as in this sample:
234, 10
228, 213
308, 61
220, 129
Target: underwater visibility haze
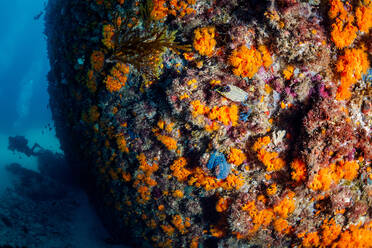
41, 203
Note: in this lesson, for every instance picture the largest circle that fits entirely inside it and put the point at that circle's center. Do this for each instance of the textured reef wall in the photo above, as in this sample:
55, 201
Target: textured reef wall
218, 123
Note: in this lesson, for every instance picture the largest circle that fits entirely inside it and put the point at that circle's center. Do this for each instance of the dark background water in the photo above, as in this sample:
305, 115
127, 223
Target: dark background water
23, 66
23, 80
24, 111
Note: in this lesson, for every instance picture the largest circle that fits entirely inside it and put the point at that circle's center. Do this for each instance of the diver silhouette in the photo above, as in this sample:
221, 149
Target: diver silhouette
20, 144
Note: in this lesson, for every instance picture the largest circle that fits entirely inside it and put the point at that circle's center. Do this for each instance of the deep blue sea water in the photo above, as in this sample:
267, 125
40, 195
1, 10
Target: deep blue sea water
24, 111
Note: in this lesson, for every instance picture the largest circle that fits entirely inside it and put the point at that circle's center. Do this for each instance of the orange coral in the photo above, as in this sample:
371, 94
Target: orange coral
285, 206
311, 240
204, 41
96, 59
323, 179
259, 217
233, 182
228, 115
168, 229
261, 142
178, 193
216, 232
222, 205
281, 226
143, 180
225, 114
159, 10
200, 179
343, 31
272, 189
113, 174
270, 160
126, 176
91, 82
364, 16
92, 115
194, 242
198, 108
117, 78
144, 193
266, 57
337, 9
145, 167
330, 232
347, 170
236, 156
299, 170
181, 8
245, 61
178, 223
288, 72
350, 66
108, 33
122, 144
343, 34
179, 170
169, 142
355, 236
333, 173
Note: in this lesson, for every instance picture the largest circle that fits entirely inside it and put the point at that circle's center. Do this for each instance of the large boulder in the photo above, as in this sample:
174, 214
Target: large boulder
216, 123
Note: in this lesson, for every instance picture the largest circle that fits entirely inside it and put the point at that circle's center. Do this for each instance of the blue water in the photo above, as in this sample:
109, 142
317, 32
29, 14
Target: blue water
24, 111
23, 70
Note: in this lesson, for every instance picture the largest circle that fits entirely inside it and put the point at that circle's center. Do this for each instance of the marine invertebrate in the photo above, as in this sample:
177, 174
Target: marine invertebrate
343, 30
228, 115
311, 239
330, 232
122, 144
259, 218
351, 66
97, 60
222, 205
204, 41
323, 179
169, 142
217, 161
363, 16
272, 189
108, 33
179, 170
355, 236
117, 78
286, 206
199, 108
299, 170
281, 226
288, 72
159, 10
245, 61
236, 156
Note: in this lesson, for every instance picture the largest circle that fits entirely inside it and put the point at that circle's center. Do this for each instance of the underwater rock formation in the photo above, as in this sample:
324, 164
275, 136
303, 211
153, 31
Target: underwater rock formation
218, 123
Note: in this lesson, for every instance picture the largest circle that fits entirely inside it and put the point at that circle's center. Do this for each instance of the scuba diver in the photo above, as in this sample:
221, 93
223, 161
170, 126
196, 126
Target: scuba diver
20, 144
52, 164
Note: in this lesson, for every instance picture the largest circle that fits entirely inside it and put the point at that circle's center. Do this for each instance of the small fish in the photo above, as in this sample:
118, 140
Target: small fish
37, 17
233, 93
